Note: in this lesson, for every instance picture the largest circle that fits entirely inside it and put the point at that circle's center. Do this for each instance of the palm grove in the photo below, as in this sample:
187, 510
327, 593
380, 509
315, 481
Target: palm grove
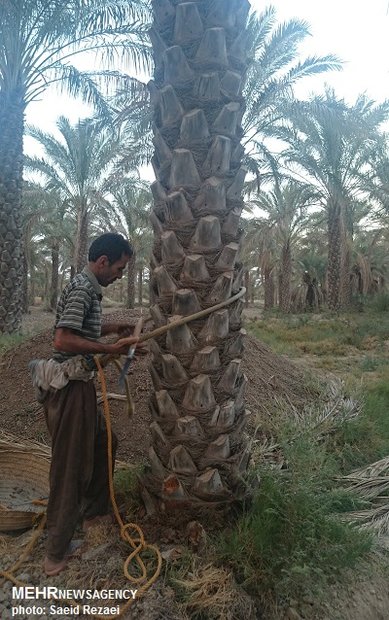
220, 121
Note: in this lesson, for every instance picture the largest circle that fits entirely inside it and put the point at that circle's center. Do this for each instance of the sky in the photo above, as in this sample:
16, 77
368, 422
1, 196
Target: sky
357, 31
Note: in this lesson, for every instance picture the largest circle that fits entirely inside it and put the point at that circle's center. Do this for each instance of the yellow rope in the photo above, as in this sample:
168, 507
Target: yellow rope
138, 544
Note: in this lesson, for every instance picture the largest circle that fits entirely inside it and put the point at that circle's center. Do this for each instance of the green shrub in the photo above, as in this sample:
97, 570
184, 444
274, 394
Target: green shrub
291, 542
380, 302
366, 439
127, 488
9, 341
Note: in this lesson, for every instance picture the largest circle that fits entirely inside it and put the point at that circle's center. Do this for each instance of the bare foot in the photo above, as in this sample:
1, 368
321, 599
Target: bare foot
53, 568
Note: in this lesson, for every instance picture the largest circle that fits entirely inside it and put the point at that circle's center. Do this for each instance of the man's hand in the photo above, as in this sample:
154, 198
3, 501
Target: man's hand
121, 346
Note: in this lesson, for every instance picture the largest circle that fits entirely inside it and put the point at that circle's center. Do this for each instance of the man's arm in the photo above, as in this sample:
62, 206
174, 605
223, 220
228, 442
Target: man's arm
68, 341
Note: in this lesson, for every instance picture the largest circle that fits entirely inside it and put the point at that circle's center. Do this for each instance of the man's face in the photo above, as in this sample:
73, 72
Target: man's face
108, 273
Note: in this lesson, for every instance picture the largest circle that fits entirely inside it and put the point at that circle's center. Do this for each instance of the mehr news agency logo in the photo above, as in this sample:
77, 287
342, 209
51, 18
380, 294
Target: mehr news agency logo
74, 601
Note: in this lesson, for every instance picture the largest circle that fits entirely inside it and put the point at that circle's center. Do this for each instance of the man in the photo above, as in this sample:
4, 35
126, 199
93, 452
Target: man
79, 470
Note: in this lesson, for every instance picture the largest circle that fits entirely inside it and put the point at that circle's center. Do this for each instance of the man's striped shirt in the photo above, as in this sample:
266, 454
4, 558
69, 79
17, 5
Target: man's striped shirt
79, 309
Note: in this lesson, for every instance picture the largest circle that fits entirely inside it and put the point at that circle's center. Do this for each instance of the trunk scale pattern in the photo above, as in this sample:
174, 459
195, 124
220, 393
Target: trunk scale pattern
11, 238
198, 453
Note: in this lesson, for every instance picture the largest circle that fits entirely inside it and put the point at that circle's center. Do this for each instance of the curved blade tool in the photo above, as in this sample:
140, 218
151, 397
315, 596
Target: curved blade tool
131, 352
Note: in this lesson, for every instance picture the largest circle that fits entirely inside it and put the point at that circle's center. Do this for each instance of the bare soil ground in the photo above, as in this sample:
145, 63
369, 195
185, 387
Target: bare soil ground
270, 377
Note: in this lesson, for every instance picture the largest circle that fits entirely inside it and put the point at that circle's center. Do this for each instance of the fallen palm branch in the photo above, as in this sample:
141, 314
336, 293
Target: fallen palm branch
317, 419
377, 469
111, 396
8, 441
333, 411
374, 519
371, 483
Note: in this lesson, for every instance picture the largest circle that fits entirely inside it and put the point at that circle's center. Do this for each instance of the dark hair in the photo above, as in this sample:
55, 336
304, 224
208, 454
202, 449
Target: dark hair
111, 245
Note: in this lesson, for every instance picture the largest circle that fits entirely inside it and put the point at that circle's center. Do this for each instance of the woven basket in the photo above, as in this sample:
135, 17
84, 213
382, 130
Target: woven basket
24, 477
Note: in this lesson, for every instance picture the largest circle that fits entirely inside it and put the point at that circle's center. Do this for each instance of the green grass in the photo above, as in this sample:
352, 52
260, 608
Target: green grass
356, 348
366, 439
323, 335
126, 488
9, 341
380, 303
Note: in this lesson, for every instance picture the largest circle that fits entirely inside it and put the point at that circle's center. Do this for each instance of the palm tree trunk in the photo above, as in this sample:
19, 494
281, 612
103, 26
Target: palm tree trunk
285, 278
11, 178
247, 286
31, 296
25, 303
268, 278
131, 281
46, 290
54, 275
345, 271
198, 451
140, 286
81, 249
61, 280
334, 257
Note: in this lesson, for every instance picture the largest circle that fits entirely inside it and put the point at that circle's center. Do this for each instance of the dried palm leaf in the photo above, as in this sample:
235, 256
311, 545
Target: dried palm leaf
375, 470
8, 441
372, 484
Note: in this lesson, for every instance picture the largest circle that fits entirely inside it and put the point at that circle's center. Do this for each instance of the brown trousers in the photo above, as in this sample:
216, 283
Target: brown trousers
79, 465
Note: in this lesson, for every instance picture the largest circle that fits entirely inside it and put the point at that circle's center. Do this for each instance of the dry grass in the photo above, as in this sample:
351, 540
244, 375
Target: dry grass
10, 441
212, 592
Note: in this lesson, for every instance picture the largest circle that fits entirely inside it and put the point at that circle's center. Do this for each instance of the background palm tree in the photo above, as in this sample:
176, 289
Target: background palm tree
329, 143
311, 264
80, 168
286, 209
377, 182
47, 230
274, 68
260, 251
37, 40
131, 203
